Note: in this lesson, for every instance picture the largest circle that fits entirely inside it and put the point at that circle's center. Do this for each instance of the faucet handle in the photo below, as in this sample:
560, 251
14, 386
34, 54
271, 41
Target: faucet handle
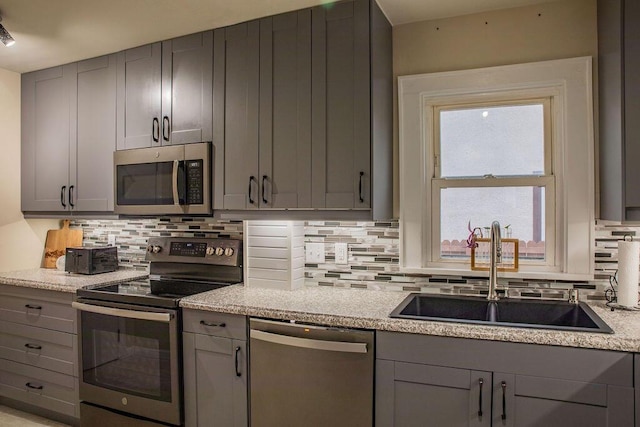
573, 296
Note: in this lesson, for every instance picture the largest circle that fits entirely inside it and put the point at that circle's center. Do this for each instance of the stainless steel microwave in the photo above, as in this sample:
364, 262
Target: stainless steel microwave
172, 180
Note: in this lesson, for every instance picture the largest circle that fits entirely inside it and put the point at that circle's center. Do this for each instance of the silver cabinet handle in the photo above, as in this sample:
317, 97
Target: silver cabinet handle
130, 314
344, 347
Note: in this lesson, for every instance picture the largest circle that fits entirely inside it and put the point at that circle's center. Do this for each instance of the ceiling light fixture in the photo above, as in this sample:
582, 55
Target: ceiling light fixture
5, 37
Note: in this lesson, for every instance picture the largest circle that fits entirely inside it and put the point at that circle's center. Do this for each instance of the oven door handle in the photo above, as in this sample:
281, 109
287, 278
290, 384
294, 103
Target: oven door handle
119, 312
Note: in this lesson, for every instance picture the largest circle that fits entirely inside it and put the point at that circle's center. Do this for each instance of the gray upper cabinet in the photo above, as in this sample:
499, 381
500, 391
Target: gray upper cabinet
236, 80
46, 138
351, 108
96, 135
187, 80
341, 130
139, 100
323, 142
285, 110
264, 70
164, 93
619, 102
68, 137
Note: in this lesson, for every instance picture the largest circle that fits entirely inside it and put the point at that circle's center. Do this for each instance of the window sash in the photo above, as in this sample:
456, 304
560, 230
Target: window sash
434, 258
489, 103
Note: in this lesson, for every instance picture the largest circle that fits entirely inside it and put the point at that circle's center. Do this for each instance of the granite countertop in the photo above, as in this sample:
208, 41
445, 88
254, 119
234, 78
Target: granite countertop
61, 281
367, 309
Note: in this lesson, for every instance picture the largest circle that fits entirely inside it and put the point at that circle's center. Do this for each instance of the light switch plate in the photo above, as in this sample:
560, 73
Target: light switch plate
314, 253
111, 240
342, 253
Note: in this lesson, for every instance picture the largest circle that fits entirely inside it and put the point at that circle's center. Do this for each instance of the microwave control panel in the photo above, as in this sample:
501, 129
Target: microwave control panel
195, 184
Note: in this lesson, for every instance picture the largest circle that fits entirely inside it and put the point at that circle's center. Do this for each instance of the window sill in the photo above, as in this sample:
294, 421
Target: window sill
522, 275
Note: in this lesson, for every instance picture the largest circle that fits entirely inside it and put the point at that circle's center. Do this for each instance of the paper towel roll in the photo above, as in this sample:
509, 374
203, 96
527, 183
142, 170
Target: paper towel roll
628, 266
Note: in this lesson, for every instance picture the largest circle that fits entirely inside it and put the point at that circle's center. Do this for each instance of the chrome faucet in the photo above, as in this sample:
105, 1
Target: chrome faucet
496, 257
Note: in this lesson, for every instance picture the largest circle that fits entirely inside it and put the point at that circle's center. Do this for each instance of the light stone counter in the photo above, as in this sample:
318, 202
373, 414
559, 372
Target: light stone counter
56, 280
354, 308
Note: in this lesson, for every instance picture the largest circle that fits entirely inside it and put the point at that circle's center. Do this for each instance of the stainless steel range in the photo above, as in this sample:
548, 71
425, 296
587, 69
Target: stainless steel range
130, 333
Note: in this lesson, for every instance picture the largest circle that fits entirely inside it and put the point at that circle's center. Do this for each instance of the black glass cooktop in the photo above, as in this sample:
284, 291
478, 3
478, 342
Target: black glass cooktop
149, 292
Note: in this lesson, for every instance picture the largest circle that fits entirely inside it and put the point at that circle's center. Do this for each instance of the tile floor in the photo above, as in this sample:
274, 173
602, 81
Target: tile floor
10, 417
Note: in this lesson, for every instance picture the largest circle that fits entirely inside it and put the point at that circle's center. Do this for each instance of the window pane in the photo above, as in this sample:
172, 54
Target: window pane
520, 211
505, 140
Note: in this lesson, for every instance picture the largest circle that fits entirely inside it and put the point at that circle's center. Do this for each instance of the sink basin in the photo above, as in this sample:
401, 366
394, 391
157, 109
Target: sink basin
558, 315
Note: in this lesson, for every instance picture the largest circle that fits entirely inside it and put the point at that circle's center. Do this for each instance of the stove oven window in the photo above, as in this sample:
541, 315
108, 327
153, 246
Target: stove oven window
127, 355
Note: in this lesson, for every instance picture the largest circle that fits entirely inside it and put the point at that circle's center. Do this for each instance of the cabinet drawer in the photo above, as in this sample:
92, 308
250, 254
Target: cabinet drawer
27, 310
49, 390
210, 323
53, 350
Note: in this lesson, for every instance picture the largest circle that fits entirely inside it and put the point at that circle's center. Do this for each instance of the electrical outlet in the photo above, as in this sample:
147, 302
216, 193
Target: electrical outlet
342, 256
314, 253
111, 240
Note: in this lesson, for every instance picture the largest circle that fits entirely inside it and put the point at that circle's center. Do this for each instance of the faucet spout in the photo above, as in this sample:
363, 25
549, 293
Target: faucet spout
496, 257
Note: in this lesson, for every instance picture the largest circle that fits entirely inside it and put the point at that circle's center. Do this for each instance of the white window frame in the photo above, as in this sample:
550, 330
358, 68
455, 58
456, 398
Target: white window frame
546, 179
568, 84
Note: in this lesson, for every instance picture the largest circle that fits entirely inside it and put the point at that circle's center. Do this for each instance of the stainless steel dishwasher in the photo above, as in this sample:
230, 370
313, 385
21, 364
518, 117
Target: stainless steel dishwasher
306, 375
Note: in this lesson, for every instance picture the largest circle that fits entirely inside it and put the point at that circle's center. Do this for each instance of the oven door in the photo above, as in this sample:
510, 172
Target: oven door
129, 359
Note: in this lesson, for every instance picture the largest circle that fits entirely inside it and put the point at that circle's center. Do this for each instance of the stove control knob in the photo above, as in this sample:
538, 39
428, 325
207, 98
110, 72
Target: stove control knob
219, 251
228, 251
156, 249
210, 250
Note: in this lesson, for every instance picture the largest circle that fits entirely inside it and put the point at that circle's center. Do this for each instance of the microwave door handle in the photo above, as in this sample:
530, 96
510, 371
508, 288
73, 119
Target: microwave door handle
176, 195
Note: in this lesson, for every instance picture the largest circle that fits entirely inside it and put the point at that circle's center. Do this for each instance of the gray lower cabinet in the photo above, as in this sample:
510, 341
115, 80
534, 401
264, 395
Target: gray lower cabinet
38, 352
68, 137
436, 381
164, 92
215, 369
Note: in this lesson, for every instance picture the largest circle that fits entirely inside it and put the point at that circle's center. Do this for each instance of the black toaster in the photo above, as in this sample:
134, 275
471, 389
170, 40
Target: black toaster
91, 260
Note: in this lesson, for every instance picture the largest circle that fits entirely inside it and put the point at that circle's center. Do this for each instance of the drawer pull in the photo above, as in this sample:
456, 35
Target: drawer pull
237, 362
34, 387
504, 400
480, 382
213, 324
33, 346
33, 307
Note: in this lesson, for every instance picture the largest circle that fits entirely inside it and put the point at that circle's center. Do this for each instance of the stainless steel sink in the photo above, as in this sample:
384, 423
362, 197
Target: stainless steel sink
557, 315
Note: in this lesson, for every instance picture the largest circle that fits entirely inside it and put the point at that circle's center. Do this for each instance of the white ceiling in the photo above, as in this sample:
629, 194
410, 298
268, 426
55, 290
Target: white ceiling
54, 32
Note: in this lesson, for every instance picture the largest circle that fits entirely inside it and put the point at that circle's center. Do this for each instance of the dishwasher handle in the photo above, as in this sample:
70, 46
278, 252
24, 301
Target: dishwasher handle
340, 346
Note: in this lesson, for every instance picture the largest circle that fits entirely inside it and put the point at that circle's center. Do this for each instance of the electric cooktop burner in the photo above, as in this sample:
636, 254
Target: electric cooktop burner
179, 267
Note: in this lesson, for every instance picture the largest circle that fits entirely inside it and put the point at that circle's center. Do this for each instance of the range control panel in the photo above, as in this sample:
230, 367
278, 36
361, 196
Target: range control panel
196, 250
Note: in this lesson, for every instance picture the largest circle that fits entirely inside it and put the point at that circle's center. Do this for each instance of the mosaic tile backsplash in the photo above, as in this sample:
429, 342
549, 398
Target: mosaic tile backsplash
373, 255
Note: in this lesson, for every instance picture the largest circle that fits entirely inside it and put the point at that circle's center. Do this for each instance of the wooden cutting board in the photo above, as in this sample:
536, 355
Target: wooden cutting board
58, 241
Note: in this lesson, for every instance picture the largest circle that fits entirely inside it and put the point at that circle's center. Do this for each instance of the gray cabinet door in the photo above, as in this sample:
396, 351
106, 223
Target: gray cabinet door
409, 394
631, 97
341, 126
91, 167
236, 80
214, 393
138, 94
285, 110
46, 138
187, 79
